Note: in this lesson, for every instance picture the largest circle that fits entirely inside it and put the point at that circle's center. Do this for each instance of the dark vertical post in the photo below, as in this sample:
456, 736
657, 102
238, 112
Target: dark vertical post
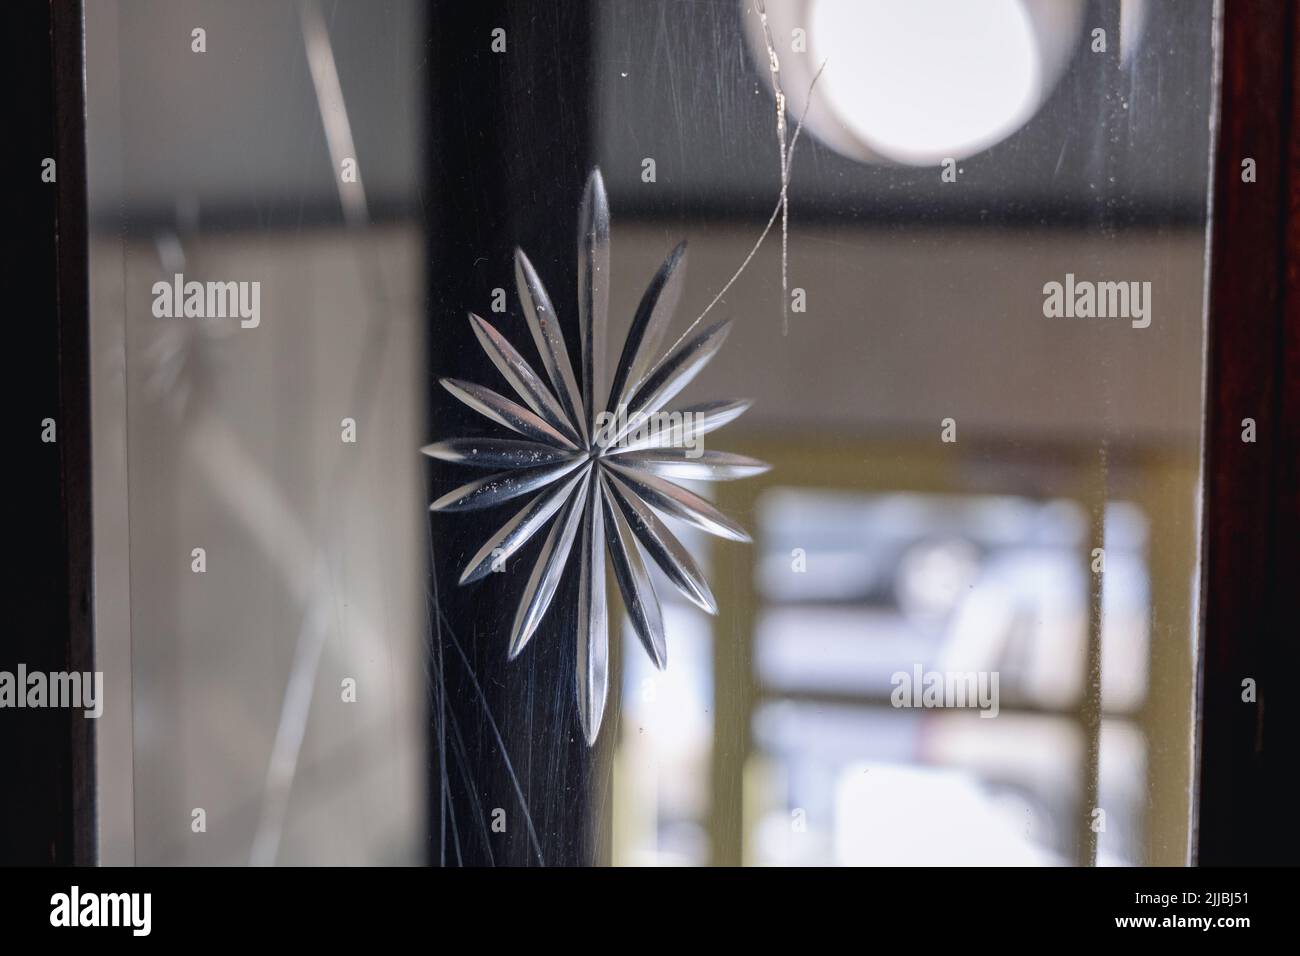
508, 151
1251, 568
47, 809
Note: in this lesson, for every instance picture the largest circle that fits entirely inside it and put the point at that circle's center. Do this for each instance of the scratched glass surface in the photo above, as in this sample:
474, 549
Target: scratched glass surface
372, 588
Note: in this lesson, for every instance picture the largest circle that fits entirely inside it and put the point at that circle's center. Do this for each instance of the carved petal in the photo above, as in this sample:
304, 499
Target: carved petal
593, 289
504, 485
505, 412
634, 582
677, 501
545, 326
521, 376
593, 626
663, 547
548, 570
676, 463
497, 453
518, 530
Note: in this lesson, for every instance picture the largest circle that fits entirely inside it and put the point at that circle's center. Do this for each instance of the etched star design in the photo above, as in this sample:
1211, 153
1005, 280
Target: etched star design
599, 480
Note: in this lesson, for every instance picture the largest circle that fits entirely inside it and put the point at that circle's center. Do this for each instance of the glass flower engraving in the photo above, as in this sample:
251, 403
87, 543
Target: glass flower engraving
597, 462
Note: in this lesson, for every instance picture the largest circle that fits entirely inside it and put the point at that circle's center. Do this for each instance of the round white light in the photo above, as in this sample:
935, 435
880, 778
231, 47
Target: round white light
919, 81
927, 79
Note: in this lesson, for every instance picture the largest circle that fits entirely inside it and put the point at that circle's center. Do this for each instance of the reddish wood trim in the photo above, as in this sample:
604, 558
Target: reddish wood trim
1250, 594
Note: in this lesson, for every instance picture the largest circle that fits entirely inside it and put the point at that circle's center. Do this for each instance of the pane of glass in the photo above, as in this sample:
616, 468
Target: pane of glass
961, 247
253, 562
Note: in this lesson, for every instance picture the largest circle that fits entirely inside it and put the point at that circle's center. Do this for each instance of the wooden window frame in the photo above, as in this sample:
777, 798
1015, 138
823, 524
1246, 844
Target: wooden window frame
1250, 573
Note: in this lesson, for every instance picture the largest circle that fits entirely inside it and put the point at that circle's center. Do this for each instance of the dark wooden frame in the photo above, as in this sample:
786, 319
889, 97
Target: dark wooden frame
1251, 531
47, 801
